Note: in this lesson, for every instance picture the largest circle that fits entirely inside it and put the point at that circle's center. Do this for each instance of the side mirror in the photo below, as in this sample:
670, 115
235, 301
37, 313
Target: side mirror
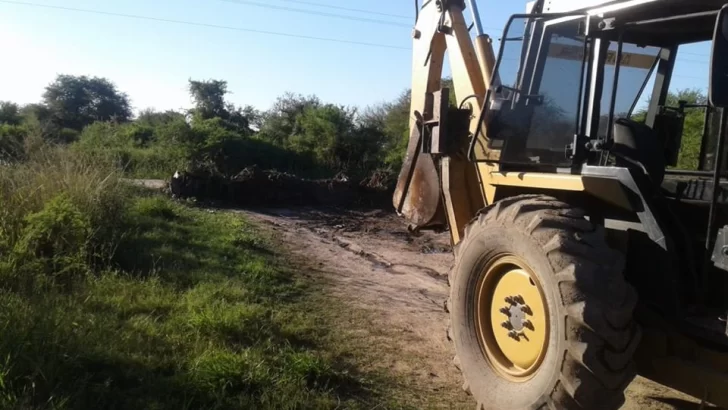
718, 90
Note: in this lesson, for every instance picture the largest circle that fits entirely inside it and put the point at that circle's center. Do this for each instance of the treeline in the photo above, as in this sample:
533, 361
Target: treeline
693, 127
298, 134
112, 296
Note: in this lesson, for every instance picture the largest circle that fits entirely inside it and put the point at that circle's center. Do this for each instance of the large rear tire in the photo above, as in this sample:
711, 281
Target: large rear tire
541, 316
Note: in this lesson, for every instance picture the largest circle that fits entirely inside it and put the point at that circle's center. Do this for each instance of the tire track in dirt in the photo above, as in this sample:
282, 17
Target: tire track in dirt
400, 280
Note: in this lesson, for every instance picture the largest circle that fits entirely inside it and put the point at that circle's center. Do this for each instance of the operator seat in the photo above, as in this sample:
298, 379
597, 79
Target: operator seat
636, 145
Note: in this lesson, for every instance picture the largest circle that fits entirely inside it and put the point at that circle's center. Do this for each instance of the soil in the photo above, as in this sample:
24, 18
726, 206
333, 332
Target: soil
399, 280
393, 280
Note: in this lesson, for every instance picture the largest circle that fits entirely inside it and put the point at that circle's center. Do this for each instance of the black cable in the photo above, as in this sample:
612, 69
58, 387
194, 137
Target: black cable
315, 13
311, 3
466, 100
191, 23
480, 119
417, 11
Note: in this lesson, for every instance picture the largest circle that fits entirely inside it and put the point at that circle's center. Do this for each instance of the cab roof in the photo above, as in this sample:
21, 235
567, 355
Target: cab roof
653, 22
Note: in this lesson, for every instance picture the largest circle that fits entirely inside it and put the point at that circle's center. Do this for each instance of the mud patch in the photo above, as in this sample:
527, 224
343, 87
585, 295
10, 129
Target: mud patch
397, 281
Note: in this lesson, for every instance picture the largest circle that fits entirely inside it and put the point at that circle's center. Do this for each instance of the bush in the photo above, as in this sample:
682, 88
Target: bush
138, 150
54, 241
11, 142
215, 150
66, 136
59, 217
156, 148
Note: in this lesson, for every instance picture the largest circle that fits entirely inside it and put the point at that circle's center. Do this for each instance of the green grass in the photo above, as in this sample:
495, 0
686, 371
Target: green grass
195, 310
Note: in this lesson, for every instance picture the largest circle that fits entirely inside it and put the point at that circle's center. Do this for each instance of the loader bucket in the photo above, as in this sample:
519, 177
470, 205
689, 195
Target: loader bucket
417, 196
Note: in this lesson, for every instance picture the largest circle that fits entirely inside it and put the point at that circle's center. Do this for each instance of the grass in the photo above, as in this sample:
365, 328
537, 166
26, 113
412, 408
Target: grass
203, 316
112, 297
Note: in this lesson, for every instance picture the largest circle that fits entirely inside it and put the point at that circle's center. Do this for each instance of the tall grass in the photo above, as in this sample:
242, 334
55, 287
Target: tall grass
111, 298
59, 215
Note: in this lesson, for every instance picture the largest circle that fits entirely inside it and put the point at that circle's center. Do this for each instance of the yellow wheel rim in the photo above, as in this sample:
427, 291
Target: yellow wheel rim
512, 318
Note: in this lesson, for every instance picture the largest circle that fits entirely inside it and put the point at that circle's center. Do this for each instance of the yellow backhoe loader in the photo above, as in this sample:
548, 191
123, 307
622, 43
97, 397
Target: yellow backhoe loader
583, 254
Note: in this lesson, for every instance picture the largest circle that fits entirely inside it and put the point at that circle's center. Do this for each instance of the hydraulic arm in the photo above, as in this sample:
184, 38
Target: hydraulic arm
437, 184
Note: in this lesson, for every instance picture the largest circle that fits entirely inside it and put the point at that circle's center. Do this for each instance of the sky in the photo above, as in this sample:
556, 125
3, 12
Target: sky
152, 60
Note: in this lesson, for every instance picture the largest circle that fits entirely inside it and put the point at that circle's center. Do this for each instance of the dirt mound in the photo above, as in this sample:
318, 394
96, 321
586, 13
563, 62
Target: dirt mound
254, 187
379, 180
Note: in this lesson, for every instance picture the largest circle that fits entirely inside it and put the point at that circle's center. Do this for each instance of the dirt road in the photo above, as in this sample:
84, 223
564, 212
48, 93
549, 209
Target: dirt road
399, 281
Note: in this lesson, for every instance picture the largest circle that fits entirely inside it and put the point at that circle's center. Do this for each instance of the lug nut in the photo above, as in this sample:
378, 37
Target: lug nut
507, 325
510, 300
505, 311
519, 299
528, 325
527, 310
514, 335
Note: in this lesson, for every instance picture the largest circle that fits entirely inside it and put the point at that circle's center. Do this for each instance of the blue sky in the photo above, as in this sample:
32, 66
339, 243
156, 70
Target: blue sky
152, 61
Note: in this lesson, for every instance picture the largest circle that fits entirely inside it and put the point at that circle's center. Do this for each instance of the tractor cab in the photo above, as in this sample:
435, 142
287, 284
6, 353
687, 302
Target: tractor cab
587, 92
568, 86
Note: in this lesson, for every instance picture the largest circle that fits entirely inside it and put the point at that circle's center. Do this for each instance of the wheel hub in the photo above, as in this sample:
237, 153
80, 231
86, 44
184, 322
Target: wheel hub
516, 312
512, 318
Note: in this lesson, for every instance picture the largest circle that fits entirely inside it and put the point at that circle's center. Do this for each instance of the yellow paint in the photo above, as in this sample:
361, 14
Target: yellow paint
428, 56
524, 353
607, 189
486, 170
452, 193
467, 76
561, 182
508, 277
576, 53
462, 191
486, 57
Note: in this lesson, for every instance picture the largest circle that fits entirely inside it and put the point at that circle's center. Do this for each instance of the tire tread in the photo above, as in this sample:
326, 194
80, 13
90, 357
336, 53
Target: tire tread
601, 334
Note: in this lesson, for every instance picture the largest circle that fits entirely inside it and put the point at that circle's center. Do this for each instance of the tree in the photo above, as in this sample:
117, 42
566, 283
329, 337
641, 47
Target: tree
10, 113
157, 118
693, 126
209, 99
690, 95
392, 119
323, 131
447, 82
279, 123
42, 122
77, 101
